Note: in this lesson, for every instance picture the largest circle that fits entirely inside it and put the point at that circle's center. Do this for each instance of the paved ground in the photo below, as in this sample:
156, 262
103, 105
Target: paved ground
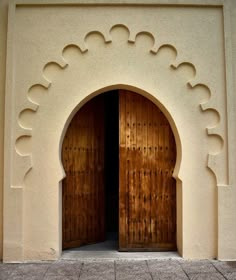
176, 269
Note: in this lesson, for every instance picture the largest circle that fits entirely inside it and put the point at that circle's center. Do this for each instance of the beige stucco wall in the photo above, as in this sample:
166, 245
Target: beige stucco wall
3, 37
206, 207
227, 196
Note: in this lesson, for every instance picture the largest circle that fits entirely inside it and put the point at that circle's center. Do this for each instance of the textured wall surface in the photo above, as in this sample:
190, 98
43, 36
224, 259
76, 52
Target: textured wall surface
166, 53
227, 196
3, 38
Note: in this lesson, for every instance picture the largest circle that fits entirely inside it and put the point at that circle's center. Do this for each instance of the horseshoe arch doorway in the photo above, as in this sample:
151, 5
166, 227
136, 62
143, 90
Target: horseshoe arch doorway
119, 154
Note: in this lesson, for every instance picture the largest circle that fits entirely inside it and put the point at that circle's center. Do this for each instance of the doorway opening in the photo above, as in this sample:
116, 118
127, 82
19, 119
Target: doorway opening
119, 154
111, 153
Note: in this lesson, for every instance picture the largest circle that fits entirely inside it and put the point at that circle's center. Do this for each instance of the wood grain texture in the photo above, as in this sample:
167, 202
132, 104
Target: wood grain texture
83, 187
147, 191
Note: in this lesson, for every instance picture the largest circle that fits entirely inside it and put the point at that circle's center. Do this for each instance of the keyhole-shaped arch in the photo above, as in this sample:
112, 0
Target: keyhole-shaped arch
147, 190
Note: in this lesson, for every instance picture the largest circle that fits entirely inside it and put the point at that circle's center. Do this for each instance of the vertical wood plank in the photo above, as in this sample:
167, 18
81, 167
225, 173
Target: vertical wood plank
138, 164
123, 229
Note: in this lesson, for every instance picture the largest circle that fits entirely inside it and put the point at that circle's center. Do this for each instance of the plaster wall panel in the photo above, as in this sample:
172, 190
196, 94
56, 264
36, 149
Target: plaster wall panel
3, 36
227, 206
67, 54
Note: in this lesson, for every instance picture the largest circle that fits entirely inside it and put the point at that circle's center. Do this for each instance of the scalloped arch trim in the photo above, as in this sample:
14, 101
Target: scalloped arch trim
39, 91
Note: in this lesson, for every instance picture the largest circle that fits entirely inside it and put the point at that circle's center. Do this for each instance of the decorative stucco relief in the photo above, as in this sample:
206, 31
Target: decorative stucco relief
169, 61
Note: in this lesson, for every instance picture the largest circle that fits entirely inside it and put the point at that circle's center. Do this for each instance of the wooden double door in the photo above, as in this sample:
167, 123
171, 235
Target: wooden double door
119, 154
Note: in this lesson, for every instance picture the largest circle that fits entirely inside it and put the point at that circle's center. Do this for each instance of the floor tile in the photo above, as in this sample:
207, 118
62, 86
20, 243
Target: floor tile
134, 267
206, 276
230, 276
66, 268
169, 276
142, 276
59, 277
225, 267
6, 270
98, 271
198, 266
164, 266
25, 277
128, 270
33, 269
98, 267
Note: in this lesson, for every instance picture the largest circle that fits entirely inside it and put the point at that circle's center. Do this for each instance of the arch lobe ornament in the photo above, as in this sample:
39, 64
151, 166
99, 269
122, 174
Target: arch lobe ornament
166, 55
